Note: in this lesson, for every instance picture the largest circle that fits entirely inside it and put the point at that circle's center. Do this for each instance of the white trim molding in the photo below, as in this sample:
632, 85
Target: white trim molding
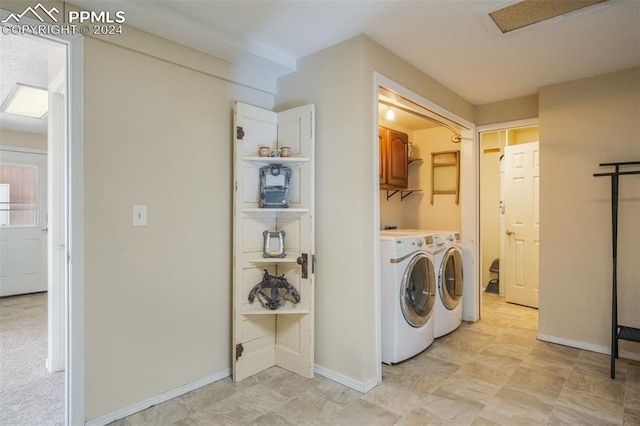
362, 387
158, 399
587, 346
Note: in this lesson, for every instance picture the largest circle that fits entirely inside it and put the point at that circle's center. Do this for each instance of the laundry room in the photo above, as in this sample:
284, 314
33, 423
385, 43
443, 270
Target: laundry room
429, 196
420, 226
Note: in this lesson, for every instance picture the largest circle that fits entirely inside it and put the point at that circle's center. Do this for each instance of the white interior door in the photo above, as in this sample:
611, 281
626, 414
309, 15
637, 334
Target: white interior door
23, 231
521, 182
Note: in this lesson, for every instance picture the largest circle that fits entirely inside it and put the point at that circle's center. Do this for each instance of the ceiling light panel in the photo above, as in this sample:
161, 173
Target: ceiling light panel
529, 12
28, 101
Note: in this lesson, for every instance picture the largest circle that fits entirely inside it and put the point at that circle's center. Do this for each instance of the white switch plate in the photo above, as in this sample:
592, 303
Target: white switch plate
139, 215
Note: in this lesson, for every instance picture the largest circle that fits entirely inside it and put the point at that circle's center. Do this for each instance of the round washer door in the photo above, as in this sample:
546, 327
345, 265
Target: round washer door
451, 281
418, 291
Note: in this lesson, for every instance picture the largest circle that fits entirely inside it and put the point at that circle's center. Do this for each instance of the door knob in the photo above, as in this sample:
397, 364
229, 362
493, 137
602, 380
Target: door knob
510, 232
302, 261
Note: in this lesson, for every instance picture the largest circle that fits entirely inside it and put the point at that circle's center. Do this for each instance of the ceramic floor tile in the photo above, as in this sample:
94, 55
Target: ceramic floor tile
420, 417
599, 386
484, 372
492, 372
510, 413
362, 412
481, 421
537, 380
308, 408
566, 416
209, 395
289, 384
335, 392
506, 349
632, 397
537, 404
600, 367
631, 417
452, 408
271, 419
453, 353
608, 411
420, 384
426, 363
392, 397
262, 376
522, 338
547, 365
248, 404
467, 387
505, 364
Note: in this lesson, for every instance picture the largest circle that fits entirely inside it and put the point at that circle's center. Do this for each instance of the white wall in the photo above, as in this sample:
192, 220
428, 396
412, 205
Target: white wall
13, 138
339, 81
584, 123
444, 213
157, 298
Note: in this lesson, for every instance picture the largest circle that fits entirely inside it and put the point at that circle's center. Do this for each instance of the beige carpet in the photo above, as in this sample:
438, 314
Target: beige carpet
29, 394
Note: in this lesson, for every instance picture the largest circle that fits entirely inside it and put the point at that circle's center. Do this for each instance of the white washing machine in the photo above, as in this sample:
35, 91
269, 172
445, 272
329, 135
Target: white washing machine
408, 293
448, 264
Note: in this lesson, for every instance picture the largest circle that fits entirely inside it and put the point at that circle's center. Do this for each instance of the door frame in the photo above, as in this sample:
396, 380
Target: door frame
74, 221
505, 125
469, 161
38, 158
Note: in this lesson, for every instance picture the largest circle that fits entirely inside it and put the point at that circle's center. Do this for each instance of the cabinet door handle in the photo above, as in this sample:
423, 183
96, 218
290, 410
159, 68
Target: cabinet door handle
303, 261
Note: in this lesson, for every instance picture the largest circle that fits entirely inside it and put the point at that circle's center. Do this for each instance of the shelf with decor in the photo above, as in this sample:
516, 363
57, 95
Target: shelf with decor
273, 240
275, 160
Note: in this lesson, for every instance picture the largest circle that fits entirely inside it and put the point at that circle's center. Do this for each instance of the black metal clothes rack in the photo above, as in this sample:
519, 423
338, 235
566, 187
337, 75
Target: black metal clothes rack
618, 331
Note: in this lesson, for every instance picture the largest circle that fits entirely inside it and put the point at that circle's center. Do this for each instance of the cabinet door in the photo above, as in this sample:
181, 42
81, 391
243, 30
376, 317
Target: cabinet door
382, 147
397, 161
262, 338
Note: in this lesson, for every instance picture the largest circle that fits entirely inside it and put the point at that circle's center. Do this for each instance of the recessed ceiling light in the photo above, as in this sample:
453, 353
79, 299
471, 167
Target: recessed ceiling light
390, 115
529, 12
26, 100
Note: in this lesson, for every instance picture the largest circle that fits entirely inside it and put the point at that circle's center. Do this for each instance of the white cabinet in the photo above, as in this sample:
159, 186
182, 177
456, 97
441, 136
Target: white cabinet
263, 337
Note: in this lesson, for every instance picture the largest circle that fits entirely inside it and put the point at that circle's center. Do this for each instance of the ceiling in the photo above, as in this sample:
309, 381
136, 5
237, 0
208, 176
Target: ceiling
452, 41
23, 59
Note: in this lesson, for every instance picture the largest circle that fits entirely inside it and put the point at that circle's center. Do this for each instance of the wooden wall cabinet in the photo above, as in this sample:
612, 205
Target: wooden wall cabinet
394, 159
262, 338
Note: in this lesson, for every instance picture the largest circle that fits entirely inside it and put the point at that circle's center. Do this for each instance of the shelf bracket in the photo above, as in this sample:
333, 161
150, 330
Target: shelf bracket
392, 194
404, 194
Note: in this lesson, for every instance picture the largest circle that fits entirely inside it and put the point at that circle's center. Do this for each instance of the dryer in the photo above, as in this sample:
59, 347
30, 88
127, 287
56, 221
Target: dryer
408, 293
450, 282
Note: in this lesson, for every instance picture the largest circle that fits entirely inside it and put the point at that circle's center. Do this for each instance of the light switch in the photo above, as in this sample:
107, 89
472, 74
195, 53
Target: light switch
139, 215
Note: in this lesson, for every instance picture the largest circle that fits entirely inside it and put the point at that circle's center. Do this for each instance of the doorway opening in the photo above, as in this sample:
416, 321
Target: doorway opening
55, 65
504, 249
431, 130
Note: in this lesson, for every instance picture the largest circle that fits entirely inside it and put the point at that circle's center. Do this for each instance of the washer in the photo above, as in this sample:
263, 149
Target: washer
448, 264
408, 293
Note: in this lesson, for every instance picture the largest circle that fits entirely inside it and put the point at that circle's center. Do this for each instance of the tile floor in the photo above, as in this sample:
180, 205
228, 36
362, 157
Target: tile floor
490, 372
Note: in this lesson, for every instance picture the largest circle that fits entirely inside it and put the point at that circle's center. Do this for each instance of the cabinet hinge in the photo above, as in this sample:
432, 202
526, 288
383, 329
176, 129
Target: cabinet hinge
239, 350
239, 133
313, 264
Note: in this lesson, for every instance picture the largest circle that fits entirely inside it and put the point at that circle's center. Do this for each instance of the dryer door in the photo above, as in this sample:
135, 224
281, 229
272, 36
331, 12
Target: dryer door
418, 291
451, 281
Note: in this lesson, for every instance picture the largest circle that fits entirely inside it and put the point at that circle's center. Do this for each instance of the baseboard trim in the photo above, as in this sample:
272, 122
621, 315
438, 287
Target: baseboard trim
158, 399
587, 346
362, 387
